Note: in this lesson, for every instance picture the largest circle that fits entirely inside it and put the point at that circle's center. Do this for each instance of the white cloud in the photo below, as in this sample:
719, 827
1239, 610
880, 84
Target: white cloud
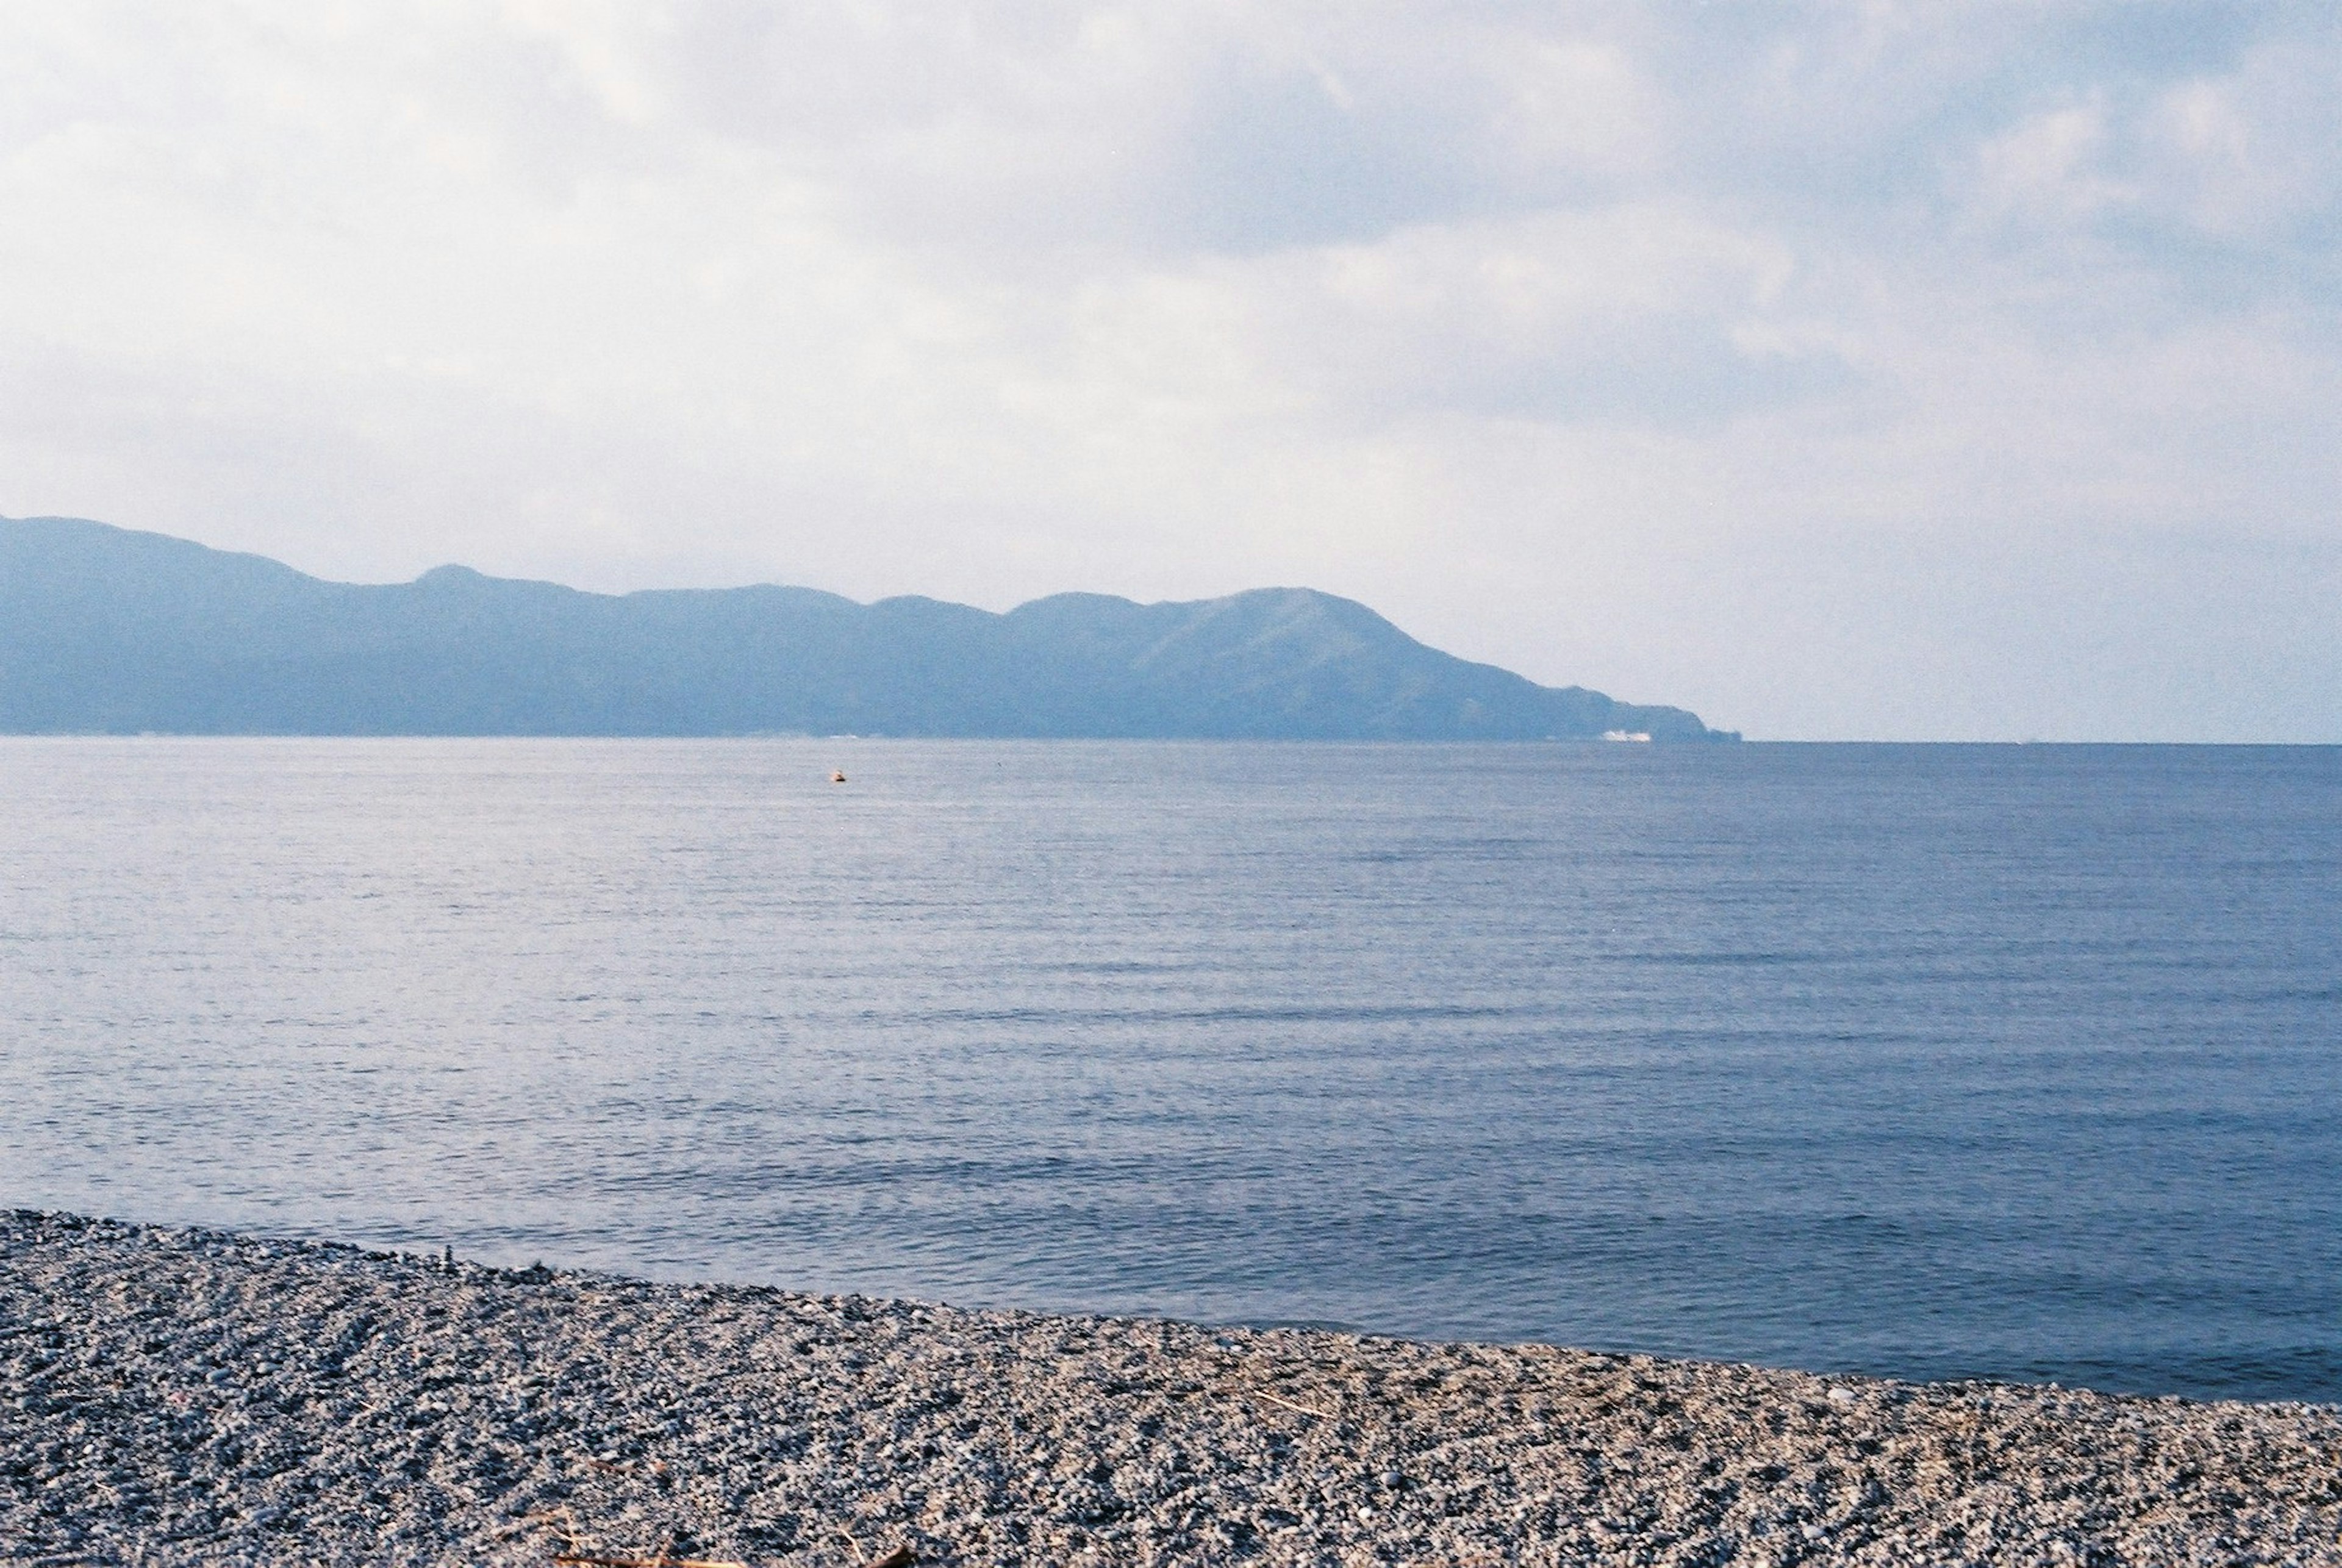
1574, 105
2246, 156
2052, 165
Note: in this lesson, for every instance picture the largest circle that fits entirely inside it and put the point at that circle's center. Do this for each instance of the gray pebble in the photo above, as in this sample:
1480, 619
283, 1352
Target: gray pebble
183, 1396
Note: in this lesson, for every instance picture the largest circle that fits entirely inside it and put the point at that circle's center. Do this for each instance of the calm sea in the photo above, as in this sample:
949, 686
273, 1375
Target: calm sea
1936, 1062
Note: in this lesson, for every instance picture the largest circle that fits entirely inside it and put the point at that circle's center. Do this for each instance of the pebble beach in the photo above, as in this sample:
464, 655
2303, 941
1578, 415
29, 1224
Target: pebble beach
186, 1396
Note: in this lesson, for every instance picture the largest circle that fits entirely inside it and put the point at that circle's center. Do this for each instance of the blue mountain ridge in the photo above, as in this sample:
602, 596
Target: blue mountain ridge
108, 631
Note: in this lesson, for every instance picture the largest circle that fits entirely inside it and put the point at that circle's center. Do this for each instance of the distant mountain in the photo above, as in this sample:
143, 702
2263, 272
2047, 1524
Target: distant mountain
103, 630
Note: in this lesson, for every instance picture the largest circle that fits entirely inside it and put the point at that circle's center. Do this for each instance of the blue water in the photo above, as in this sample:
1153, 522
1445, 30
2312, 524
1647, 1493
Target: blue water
1936, 1062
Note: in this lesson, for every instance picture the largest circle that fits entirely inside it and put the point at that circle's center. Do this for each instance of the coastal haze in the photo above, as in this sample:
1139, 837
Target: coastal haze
1835, 370
1931, 1061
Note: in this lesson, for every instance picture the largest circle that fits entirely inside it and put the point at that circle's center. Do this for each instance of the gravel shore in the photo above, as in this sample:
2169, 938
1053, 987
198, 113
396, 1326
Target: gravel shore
172, 1396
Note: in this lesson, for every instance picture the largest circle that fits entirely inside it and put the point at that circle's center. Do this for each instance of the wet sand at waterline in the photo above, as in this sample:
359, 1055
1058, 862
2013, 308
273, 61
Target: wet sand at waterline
175, 1396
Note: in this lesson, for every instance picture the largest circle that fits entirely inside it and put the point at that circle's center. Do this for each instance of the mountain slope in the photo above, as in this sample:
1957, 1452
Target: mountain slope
108, 631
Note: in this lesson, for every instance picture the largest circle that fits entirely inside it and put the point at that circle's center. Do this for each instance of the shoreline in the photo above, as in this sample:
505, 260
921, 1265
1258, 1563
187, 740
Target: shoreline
173, 1395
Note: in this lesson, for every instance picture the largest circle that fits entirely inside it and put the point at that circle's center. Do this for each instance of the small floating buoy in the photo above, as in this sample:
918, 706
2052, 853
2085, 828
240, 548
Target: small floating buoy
837, 776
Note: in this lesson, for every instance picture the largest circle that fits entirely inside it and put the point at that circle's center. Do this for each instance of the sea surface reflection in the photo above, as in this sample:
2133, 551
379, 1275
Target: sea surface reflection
1935, 1061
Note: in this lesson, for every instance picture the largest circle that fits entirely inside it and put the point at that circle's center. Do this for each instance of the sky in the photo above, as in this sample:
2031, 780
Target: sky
1962, 370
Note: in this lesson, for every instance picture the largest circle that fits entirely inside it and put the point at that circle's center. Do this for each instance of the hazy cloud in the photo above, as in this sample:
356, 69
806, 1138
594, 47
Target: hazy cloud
1834, 368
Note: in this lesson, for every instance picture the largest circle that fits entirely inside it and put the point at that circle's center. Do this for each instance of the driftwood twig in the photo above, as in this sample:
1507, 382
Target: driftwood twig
901, 1557
1288, 1404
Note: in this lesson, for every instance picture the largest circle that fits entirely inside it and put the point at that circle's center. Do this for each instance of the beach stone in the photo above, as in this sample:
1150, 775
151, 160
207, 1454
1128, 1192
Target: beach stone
183, 1396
